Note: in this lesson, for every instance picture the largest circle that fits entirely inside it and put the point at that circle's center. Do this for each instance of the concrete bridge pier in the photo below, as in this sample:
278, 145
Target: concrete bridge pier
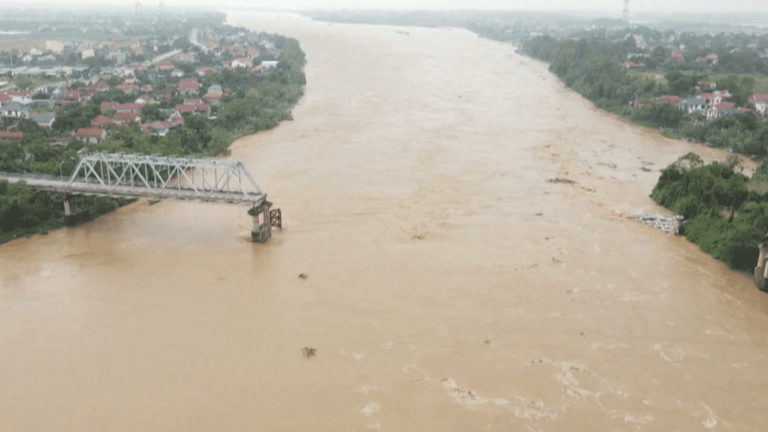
262, 225
761, 271
72, 219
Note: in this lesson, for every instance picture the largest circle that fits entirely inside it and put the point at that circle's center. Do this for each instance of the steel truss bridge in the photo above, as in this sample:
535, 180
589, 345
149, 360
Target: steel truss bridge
130, 175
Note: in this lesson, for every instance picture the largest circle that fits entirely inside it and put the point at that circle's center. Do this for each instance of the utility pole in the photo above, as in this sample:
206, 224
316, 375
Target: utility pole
138, 8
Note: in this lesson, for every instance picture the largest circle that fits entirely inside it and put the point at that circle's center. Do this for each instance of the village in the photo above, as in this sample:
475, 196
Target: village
154, 83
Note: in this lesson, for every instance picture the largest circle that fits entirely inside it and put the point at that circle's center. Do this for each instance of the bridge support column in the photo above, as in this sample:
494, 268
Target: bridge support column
262, 226
67, 210
761, 271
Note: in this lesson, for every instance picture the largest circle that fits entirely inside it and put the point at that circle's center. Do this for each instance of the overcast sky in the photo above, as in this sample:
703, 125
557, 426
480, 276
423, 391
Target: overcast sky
695, 6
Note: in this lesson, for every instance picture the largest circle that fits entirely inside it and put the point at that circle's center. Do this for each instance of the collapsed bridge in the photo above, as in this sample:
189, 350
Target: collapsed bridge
161, 177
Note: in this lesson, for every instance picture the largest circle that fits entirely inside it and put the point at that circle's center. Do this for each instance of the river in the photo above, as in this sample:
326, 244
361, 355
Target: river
450, 286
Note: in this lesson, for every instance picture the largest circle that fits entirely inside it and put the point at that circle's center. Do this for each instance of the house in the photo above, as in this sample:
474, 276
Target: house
44, 120
242, 62
676, 55
717, 110
55, 46
72, 96
693, 104
715, 97
760, 101
629, 64
87, 53
91, 135
212, 98
21, 97
144, 100
147, 88
182, 109
177, 73
272, 64
709, 58
188, 86
11, 136
159, 128
118, 107
205, 70
165, 66
14, 109
122, 118
672, 100
4, 99
117, 57
128, 88
706, 85
254, 51
101, 121
100, 86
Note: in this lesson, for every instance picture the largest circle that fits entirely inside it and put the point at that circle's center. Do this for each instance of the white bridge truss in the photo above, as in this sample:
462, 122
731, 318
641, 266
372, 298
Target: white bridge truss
668, 225
116, 174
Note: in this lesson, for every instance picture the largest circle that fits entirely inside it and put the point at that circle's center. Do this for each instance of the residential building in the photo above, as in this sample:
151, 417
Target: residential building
693, 104
11, 136
760, 101
55, 46
15, 109
188, 86
122, 118
242, 62
44, 120
204, 70
91, 135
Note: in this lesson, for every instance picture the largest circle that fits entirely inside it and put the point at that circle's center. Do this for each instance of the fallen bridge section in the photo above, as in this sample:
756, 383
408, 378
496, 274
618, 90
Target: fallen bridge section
668, 225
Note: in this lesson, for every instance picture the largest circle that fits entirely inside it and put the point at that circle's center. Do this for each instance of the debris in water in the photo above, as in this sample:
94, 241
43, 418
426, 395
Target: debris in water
303, 275
561, 180
308, 352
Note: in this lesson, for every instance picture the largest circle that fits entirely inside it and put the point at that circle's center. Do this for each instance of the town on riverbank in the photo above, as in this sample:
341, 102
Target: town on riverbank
149, 83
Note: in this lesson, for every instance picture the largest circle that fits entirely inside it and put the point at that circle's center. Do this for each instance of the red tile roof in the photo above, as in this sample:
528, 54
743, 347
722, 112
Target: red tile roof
186, 108
90, 133
125, 117
101, 120
724, 105
674, 100
758, 97
11, 135
189, 84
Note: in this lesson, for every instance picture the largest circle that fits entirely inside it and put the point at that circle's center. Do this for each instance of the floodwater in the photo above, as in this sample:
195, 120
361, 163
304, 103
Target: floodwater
450, 286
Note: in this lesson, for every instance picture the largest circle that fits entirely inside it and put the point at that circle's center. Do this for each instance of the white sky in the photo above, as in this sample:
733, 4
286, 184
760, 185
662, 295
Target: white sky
694, 6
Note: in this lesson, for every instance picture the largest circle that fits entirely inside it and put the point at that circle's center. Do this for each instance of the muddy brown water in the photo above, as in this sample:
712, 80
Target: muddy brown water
450, 286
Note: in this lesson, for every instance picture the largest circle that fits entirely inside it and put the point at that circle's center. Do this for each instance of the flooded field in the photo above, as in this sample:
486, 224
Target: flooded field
451, 285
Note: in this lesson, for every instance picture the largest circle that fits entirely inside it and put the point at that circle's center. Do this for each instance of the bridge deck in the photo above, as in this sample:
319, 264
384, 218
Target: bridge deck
80, 188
